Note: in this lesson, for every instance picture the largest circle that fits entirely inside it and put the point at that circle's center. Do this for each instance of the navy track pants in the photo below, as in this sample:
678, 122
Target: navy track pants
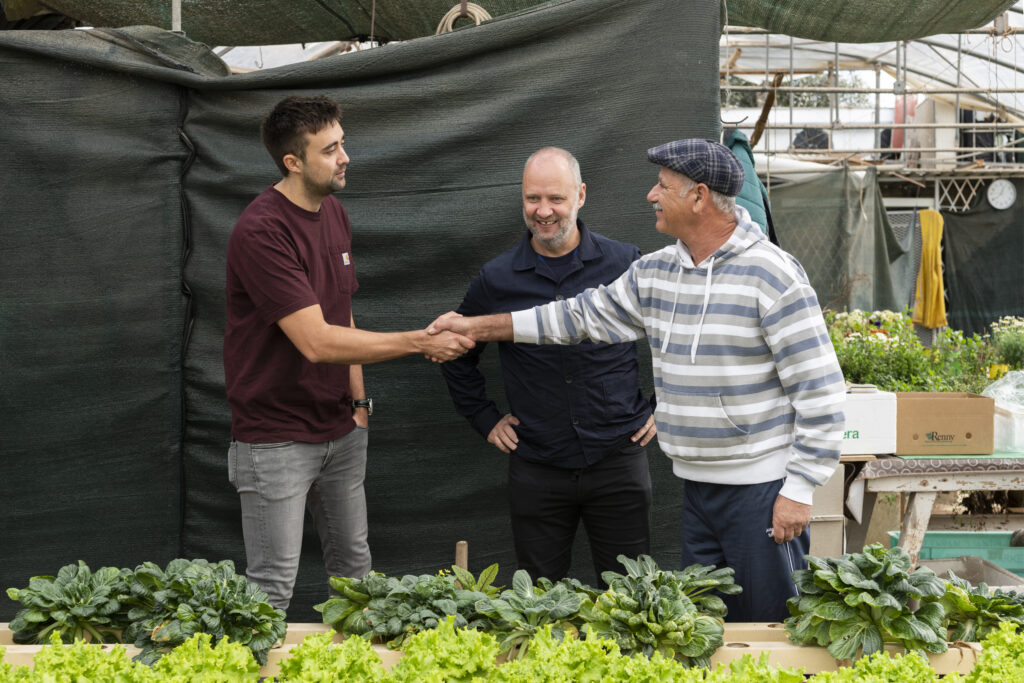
726, 525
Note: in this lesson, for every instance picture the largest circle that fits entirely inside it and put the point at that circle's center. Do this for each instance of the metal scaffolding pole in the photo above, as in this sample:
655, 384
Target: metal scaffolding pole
883, 126
834, 97
752, 31
959, 54
866, 146
790, 97
909, 91
878, 105
970, 151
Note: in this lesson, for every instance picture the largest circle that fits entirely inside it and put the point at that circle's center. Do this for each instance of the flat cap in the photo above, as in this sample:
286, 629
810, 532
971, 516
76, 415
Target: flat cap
702, 161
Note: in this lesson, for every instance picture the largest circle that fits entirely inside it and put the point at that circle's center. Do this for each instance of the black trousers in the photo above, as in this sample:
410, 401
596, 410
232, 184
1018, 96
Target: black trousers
612, 497
726, 525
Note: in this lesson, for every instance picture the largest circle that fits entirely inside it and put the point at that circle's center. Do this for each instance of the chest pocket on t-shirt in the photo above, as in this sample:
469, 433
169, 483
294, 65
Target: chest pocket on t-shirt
343, 269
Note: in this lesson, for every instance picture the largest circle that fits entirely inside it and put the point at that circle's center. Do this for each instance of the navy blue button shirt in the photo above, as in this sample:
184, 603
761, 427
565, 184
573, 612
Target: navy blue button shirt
576, 404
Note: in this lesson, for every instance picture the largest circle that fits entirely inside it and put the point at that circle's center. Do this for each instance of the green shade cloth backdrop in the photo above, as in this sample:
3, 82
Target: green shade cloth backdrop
983, 250
130, 156
268, 22
837, 227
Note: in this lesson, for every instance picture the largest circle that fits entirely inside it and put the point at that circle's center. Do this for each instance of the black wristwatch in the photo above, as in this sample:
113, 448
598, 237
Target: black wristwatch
364, 403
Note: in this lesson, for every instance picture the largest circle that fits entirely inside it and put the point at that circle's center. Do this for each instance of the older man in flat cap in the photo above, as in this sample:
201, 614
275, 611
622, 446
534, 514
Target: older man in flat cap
749, 392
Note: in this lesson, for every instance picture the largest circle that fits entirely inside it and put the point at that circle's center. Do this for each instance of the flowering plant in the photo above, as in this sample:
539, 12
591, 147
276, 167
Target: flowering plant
878, 348
961, 363
1007, 336
882, 348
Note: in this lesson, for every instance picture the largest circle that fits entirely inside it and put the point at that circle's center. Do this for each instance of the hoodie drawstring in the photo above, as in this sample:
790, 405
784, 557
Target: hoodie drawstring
703, 311
672, 311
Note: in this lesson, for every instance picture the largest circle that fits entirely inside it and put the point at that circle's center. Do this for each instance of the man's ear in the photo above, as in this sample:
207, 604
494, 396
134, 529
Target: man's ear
292, 163
703, 196
583, 194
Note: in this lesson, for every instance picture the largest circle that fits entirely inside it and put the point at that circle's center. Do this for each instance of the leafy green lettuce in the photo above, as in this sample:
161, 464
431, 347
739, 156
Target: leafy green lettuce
79, 662
388, 609
647, 610
169, 606
855, 603
552, 660
446, 654
1001, 659
77, 603
517, 614
197, 660
750, 670
883, 667
318, 659
973, 612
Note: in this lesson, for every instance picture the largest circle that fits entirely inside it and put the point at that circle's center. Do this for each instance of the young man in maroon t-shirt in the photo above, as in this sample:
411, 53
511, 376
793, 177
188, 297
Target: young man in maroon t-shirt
293, 357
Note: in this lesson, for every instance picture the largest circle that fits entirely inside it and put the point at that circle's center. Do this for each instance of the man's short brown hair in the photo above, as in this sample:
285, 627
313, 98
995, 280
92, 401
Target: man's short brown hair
284, 129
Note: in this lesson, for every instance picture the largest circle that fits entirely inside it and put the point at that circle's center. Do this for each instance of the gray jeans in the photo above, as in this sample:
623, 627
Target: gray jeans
277, 482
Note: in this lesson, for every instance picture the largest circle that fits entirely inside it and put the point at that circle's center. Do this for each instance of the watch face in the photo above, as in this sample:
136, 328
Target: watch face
1001, 193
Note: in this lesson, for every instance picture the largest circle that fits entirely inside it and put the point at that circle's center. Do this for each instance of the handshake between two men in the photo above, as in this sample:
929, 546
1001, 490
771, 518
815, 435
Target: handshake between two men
461, 333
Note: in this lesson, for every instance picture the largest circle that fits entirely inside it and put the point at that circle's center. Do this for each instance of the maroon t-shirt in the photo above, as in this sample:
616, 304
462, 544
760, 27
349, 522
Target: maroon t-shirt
281, 259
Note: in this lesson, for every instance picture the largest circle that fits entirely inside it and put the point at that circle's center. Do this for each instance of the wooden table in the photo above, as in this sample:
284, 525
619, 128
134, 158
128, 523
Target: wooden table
923, 479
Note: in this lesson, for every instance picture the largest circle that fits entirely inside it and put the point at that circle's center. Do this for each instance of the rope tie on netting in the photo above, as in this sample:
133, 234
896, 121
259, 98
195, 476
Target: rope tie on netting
468, 10
1002, 33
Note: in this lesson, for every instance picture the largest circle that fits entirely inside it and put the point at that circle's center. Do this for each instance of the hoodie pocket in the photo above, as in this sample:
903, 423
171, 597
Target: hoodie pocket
698, 420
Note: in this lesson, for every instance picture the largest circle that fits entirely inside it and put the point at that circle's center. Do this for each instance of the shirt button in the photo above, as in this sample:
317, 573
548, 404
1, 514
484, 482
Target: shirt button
575, 420
568, 380
558, 297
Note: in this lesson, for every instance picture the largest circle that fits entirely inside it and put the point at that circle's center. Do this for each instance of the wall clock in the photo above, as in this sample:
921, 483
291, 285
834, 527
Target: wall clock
1001, 193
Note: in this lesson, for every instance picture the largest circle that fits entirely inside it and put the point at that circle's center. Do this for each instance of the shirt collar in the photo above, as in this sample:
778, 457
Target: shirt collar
526, 258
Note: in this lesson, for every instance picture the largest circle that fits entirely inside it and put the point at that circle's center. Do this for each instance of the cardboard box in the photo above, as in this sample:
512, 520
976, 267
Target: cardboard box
829, 499
943, 423
828, 536
870, 423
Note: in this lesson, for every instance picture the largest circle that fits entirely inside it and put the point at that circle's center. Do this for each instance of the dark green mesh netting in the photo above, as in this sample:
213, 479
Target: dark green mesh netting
837, 227
267, 22
129, 155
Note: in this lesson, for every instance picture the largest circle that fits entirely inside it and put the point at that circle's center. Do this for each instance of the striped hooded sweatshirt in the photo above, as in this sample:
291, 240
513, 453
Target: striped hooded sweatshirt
747, 382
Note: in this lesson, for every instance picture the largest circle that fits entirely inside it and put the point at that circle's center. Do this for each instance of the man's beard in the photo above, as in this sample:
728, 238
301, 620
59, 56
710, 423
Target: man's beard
319, 189
556, 240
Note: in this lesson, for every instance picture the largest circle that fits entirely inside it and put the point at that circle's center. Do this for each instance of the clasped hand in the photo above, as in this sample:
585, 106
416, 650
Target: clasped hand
450, 334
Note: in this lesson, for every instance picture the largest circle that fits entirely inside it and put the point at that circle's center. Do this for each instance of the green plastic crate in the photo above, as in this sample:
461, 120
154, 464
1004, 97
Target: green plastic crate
993, 546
